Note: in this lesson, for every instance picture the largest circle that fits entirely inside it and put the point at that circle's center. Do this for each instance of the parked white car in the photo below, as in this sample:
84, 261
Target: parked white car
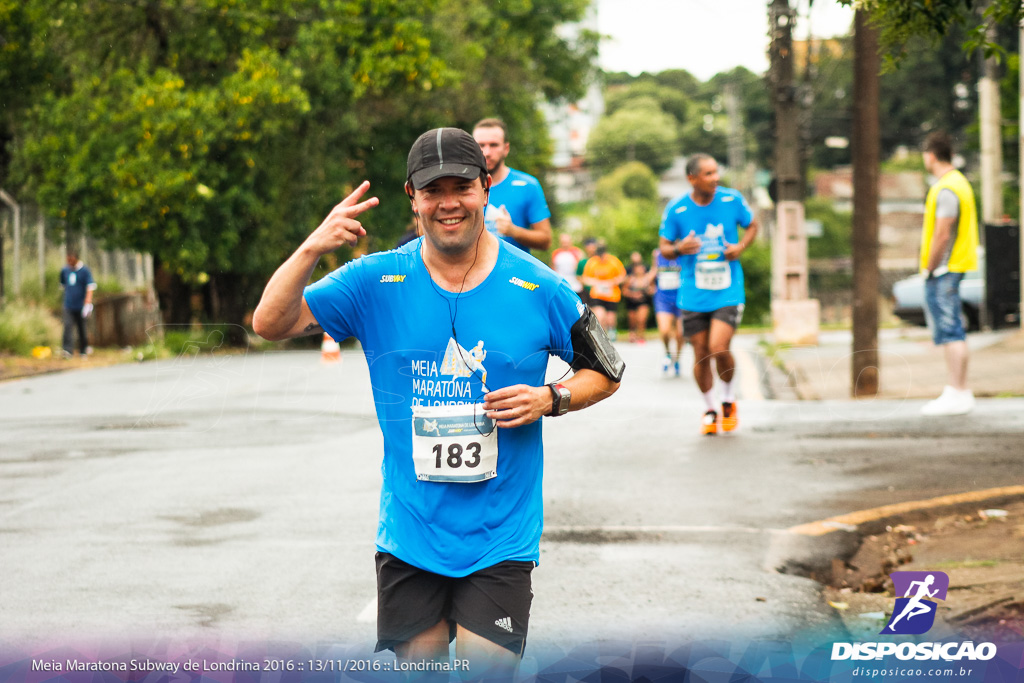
908, 297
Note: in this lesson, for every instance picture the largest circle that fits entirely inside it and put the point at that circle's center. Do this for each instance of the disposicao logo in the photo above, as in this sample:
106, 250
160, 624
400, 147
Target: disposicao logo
914, 614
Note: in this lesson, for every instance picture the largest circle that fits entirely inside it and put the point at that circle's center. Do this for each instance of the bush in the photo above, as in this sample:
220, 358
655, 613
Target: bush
23, 327
51, 296
757, 278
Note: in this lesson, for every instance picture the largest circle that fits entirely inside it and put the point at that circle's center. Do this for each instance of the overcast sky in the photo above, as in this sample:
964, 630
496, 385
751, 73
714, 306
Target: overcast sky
705, 37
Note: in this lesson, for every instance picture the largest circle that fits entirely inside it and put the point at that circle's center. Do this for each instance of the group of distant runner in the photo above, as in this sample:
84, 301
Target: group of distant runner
694, 283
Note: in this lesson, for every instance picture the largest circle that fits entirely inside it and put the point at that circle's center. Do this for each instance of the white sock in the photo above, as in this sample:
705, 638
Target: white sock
728, 396
709, 400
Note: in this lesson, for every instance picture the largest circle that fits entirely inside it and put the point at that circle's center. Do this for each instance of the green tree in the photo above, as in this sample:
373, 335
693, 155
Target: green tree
647, 135
934, 88
755, 107
628, 210
899, 21
702, 123
644, 93
27, 67
633, 180
216, 135
836, 229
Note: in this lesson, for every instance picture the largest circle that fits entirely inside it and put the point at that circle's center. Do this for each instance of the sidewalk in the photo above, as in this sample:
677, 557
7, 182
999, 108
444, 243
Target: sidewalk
910, 366
974, 546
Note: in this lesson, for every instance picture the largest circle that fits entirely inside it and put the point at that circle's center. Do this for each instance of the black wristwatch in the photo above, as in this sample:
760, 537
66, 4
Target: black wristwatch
560, 398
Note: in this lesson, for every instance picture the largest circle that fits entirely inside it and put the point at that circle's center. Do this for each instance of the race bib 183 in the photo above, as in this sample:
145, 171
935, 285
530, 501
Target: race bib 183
455, 444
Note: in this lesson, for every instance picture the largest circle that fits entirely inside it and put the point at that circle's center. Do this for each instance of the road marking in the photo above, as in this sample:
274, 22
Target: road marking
369, 613
855, 519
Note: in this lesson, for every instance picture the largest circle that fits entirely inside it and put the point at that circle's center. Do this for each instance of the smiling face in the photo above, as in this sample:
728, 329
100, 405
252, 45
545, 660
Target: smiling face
494, 146
451, 213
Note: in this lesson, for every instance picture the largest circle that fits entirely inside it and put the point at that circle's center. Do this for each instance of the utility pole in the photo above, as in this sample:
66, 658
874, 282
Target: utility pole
991, 139
795, 317
41, 251
991, 125
865, 143
788, 175
737, 151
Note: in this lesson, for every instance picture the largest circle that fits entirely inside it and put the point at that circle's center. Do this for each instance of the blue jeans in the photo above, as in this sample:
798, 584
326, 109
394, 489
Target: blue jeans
942, 308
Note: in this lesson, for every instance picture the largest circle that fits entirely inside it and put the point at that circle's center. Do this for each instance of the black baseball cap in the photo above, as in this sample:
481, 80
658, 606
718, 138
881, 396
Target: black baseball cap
444, 152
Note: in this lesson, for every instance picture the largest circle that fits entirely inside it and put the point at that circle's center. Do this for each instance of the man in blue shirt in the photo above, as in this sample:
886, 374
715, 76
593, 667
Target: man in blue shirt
701, 228
457, 327
517, 209
78, 284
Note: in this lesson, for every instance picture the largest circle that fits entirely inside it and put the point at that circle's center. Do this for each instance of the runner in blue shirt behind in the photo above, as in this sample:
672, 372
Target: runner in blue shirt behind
701, 228
516, 210
666, 308
457, 327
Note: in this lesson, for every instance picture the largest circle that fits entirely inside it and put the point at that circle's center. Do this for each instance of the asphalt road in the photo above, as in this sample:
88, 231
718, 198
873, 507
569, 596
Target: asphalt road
234, 498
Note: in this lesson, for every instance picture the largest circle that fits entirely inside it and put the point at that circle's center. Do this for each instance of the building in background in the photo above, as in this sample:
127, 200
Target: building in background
569, 125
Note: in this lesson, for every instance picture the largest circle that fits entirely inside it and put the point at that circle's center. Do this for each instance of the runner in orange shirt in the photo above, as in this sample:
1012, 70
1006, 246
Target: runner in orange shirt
603, 274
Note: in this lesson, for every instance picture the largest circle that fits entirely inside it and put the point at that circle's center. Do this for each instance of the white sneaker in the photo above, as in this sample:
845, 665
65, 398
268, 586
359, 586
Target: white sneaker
950, 402
666, 364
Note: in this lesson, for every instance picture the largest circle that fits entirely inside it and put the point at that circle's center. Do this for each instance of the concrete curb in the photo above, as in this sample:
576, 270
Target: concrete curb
809, 549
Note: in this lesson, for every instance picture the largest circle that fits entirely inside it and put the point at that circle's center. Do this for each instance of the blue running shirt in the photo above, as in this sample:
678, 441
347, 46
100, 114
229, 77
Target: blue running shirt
709, 282
521, 195
510, 323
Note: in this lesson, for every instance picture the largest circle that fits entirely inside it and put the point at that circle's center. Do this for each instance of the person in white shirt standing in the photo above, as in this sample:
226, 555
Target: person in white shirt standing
566, 259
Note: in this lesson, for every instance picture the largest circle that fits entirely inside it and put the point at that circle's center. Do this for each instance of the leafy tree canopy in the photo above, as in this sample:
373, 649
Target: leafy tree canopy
646, 135
934, 88
215, 134
670, 100
633, 180
900, 20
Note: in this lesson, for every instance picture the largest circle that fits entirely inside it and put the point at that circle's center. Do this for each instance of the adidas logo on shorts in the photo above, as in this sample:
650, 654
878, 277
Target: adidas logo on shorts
505, 623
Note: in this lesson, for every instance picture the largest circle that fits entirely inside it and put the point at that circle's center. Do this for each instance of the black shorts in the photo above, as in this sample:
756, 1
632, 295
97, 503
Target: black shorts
612, 306
634, 304
695, 322
493, 603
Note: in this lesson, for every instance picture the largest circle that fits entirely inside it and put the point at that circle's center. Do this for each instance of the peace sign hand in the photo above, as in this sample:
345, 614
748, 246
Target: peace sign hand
341, 227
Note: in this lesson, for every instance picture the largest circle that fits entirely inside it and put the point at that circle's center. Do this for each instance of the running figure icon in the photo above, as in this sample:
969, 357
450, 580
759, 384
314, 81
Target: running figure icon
917, 601
915, 606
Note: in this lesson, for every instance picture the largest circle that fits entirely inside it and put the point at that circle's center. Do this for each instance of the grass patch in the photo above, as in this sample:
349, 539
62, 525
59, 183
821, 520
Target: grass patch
25, 326
773, 352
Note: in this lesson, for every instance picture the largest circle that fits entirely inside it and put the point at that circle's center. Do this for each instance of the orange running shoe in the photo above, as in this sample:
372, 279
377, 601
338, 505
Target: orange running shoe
710, 423
730, 420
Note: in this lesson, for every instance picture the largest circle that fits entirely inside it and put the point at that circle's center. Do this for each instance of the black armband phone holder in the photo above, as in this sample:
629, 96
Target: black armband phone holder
592, 350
